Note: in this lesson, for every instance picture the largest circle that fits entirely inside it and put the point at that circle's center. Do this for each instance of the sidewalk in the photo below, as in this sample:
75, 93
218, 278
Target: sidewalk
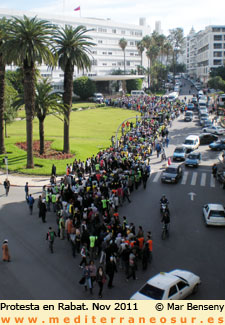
20, 180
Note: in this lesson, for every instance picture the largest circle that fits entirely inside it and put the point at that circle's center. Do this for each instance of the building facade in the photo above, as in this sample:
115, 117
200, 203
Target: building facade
205, 50
107, 55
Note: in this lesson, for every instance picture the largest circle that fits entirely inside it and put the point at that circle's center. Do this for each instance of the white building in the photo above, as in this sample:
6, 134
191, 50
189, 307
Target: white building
107, 54
205, 51
191, 53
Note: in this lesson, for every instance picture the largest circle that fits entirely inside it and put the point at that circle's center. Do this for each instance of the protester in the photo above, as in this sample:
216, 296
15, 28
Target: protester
5, 251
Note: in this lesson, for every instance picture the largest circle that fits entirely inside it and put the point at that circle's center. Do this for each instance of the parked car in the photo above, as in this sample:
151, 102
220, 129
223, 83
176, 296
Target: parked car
207, 123
203, 119
207, 138
173, 285
214, 129
172, 174
193, 159
220, 176
97, 98
194, 100
179, 153
218, 145
214, 214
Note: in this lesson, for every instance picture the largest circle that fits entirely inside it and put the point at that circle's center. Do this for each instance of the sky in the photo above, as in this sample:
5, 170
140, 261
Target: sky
172, 13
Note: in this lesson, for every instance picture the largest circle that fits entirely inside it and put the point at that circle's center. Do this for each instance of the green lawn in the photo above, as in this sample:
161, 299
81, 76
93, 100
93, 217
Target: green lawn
90, 131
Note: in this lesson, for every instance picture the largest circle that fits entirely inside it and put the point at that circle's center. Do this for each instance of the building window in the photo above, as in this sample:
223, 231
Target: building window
104, 64
128, 63
217, 54
132, 43
217, 37
217, 62
113, 64
114, 31
123, 32
104, 53
216, 29
217, 46
223, 29
94, 52
99, 41
131, 54
109, 53
131, 32
102, 30
94, 62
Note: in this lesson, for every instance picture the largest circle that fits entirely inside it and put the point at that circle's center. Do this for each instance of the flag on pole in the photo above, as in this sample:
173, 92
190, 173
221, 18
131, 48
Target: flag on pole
77, 9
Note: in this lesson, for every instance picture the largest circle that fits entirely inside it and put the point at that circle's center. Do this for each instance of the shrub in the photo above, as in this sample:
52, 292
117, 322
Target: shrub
84, 87
134, 84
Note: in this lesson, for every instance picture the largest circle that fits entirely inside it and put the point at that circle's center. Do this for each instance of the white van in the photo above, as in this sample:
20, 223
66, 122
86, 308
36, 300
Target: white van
191, 142
137, 93
172, 96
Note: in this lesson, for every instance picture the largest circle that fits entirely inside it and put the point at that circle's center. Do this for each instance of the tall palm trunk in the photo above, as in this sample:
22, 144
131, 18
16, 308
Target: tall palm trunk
67, 101
41, 135
124, 62
2, 91
29, 99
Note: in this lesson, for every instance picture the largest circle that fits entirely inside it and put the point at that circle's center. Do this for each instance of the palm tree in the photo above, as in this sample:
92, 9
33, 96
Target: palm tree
151, 53
141, 48
46, 103
30, 43
3, 59
123, 45
73, 48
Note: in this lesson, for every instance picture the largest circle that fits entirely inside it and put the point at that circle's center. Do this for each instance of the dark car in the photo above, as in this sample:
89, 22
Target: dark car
171, 174
220, 176
207, 138
218, 145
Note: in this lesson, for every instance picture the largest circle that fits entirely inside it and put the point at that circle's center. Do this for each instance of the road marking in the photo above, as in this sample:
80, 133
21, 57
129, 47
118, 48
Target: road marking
194, 178
203, 179
156, 178
184, 178
192, 195
212, 181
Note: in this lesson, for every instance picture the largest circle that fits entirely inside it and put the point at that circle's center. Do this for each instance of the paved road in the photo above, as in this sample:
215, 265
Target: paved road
36, 274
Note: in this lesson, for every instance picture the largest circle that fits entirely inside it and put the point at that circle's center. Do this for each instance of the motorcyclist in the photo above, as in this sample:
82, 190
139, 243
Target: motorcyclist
164, 200
166, 218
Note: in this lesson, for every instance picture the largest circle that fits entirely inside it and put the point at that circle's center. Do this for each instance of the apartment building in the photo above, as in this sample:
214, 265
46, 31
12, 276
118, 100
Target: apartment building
205, 50
107, 54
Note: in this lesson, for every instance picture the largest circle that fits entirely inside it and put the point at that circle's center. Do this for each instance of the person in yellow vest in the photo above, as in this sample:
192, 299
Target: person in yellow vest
54, 201
62, 227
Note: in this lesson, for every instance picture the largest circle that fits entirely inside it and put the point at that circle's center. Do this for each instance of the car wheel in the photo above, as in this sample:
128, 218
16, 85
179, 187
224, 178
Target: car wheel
195, 289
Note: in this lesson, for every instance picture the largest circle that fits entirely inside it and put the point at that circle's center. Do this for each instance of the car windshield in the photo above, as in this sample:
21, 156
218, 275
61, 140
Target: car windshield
179, 150
216, 214
188, 142
192, 156
171, 170
152, 292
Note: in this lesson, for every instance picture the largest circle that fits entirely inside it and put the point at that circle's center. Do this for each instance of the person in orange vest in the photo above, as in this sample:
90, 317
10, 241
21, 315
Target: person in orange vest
149, 241
5, 251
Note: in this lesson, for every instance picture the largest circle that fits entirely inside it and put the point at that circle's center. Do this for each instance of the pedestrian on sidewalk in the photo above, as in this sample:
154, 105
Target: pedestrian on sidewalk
6, 186
26, 191
53, 170
5, 251
30, 202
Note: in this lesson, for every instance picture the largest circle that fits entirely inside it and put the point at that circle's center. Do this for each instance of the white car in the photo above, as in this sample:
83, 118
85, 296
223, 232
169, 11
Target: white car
214, 214
214, 129
173, 285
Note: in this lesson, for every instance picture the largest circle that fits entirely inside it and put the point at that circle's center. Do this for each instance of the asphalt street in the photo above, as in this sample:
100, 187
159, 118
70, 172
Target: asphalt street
34, 273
